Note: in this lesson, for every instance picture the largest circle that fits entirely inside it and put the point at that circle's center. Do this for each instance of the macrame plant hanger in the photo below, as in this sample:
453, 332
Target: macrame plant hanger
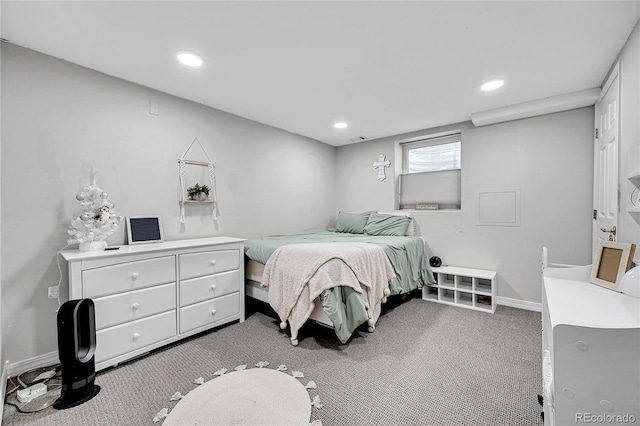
182, 163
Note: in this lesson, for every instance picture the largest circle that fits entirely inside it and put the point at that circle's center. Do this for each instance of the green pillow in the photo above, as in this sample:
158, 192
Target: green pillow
352, 223
386, 224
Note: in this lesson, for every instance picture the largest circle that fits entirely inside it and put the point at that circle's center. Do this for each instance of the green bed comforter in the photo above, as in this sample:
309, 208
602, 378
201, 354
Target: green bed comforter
344, 308
406, 254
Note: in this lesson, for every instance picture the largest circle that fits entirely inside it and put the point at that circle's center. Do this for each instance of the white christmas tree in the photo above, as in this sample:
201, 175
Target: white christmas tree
97, 219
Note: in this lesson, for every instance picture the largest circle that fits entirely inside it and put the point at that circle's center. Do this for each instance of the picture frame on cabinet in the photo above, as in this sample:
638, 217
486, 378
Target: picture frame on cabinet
611, 261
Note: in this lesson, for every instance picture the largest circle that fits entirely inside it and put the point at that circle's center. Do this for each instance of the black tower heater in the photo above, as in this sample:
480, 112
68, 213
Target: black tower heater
76, 349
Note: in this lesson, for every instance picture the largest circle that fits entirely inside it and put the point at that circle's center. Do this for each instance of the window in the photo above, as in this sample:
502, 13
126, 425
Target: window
431, 172
432, 156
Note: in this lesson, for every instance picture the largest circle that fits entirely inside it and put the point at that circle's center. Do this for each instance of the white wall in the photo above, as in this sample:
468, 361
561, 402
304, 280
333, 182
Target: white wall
58, 119
550, 158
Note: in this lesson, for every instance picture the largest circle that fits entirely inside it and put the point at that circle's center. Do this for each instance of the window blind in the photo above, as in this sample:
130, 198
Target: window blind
442, 188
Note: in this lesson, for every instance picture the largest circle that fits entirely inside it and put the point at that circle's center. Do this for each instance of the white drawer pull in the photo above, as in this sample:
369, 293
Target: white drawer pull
213, 312
136, 336
136, 305
213, 262
213, 286
135, 276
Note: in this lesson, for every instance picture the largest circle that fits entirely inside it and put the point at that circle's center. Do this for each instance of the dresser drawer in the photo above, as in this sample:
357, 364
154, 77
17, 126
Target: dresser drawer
128, 276
194, 265
208, 312
128, 337
134, 305
205, 288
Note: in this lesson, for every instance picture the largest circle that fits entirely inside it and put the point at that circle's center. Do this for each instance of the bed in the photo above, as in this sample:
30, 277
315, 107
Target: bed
372, 245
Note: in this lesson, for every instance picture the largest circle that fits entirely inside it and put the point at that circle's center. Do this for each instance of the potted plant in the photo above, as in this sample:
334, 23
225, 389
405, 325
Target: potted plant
198, 192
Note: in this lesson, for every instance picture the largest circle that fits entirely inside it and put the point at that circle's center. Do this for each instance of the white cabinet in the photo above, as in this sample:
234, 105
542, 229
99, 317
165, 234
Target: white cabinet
150, 295
465, 287
590, 351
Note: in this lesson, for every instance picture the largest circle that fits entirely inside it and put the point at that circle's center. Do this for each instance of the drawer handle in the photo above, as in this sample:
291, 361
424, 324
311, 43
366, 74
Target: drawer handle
136, 336
136, 305
135, 276
213, 312
213, 286
213, 262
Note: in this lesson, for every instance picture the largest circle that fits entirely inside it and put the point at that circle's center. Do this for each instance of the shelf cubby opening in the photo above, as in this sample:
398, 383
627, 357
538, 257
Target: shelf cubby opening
447, 296
430, 292
483, 285
482, 302
464, 298
446, 280
464, 283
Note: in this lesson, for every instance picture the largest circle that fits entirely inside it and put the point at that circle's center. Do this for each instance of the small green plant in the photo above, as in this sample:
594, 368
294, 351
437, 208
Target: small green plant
195, 191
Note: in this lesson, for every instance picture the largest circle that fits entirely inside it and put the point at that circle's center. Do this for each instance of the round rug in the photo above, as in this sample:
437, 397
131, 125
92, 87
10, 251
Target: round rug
257, 396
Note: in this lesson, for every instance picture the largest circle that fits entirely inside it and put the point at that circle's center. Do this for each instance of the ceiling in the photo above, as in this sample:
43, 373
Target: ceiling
384, 67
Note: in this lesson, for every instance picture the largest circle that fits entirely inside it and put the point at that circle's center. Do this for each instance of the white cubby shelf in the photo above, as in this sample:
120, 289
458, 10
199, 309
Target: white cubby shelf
465, 287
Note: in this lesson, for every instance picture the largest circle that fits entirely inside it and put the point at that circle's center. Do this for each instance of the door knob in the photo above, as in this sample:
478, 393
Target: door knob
611, 231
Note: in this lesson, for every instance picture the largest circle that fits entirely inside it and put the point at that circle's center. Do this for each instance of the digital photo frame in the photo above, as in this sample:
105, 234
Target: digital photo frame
144, 229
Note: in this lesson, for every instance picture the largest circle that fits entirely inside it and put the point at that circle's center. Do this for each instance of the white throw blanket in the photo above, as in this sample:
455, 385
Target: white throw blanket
297, 273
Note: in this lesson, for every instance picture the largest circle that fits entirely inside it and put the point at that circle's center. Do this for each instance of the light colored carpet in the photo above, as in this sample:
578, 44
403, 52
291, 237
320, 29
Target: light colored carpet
426, 364
259, 396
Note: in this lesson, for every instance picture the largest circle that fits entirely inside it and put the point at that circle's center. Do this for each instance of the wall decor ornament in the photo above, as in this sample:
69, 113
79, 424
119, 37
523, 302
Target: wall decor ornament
96, 220
380, 164
197, 193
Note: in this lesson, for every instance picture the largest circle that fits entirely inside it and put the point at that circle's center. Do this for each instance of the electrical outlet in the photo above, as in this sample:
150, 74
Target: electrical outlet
53, 292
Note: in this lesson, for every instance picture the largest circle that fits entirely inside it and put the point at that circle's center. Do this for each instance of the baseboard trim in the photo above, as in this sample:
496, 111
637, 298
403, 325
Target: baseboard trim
3, 388
521, 304
19, 367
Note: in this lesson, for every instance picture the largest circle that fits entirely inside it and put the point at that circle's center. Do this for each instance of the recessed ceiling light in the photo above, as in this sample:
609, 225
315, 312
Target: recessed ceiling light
340, 125
492, 85
189, 59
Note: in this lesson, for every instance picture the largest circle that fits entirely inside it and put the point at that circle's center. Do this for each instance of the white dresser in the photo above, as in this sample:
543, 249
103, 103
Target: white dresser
590, 351
150, 295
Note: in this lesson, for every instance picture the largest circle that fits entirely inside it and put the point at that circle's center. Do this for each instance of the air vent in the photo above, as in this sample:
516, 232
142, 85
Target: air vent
358, 139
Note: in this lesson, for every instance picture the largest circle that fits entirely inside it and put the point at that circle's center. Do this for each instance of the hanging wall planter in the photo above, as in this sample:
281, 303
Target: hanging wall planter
197, 193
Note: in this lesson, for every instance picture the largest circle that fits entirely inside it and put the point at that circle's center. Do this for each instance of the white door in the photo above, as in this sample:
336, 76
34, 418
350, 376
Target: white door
605, 187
